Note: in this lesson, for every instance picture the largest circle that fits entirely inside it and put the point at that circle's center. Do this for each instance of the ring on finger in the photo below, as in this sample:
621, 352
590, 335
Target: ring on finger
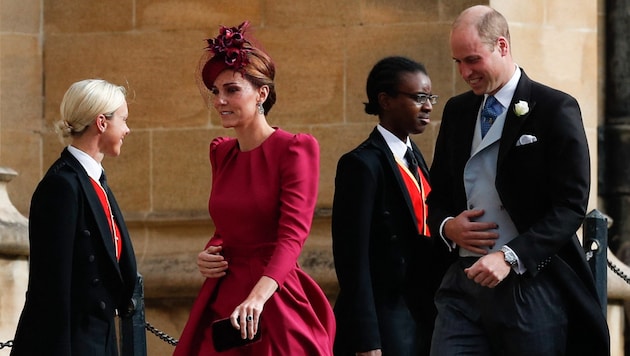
249, 318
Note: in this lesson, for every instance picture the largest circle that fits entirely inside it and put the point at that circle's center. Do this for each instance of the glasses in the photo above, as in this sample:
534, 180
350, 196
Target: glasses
420, 98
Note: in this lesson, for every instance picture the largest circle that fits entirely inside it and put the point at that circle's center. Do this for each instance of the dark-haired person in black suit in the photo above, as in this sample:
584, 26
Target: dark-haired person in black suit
509, 200
82, 265
382, 249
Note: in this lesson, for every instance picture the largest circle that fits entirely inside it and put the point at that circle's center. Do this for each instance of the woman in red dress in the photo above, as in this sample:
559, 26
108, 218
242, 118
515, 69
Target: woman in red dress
264, 190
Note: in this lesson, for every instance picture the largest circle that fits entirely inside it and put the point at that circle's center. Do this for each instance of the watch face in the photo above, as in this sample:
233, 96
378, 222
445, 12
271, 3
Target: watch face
510, 257
511, 261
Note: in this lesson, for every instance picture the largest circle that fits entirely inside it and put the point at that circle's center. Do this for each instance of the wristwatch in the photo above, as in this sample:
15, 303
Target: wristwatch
510, 256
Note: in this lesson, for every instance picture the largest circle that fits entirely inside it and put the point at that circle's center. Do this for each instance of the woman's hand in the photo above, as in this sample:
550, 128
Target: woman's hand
246, 316
211, 264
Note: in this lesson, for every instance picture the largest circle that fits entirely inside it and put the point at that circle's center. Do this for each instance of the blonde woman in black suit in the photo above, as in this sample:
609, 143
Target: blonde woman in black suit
82, 264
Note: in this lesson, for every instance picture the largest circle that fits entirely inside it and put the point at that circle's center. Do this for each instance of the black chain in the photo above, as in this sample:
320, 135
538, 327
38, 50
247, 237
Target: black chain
165, 337
173, 342
618, 272
7, 344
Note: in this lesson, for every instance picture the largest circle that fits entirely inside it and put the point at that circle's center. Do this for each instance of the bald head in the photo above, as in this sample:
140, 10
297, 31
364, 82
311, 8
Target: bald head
471, 15
489, 23
480, 45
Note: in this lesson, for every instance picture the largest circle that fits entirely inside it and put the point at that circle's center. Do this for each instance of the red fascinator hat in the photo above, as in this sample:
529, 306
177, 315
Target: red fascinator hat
229, 50
233, 49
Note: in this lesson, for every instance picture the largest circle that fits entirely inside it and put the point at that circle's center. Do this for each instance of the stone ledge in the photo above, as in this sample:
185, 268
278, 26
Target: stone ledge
13, 225
172, 273
176, 275
187, 217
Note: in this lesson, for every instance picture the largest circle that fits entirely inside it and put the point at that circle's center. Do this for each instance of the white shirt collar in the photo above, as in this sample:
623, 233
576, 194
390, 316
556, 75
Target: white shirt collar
397, 147
91, 166
505, 94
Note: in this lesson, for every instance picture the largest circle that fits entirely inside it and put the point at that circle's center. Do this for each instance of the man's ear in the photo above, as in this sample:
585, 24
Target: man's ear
504, 46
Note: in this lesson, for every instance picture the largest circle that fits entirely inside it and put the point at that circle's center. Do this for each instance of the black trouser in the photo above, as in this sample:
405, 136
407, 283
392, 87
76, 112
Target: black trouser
521, 316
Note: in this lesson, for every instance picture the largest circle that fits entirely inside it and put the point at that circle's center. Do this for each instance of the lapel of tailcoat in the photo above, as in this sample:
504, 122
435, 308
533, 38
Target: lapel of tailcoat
96, 208
379, 142
513, 123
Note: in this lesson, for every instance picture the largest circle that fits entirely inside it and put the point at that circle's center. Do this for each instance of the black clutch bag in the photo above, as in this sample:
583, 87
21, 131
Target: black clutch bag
225, 337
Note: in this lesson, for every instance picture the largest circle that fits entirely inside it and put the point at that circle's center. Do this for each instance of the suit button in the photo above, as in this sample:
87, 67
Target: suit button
96, 281
470, 207
102, 305
86, 233
394, 238
386, 213
91, 258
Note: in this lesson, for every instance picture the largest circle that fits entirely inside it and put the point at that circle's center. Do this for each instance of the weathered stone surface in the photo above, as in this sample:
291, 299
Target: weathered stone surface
13, 225
14, 280
13, 259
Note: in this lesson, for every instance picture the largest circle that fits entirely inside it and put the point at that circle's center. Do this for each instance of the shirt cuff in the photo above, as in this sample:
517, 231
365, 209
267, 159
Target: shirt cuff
519, 268
449, 244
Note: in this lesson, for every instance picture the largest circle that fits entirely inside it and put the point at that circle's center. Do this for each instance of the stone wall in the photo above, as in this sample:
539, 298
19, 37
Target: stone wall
323, 51
13, 259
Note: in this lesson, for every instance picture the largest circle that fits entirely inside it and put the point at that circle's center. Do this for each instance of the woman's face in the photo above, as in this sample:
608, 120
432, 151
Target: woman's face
235, 99
403, 115
115, 131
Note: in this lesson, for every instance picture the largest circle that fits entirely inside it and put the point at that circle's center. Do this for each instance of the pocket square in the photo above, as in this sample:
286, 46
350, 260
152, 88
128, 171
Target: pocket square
526, 140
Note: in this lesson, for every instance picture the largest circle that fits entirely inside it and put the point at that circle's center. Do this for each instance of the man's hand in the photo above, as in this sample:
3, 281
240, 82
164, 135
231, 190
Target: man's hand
489, 270
469, 234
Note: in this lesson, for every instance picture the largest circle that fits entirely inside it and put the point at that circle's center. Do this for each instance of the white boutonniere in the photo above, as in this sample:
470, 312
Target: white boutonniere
521, 108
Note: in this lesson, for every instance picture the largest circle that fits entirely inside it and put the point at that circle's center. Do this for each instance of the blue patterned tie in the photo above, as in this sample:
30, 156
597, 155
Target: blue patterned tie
491, 109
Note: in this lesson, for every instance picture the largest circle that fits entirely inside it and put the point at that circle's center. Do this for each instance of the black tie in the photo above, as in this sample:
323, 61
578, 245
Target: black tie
103, 181
412, 164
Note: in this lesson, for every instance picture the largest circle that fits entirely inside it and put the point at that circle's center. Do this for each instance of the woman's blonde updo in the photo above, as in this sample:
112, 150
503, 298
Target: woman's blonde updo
84, 101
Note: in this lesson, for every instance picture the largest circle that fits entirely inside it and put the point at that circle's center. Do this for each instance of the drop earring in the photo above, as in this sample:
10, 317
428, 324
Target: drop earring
260, 108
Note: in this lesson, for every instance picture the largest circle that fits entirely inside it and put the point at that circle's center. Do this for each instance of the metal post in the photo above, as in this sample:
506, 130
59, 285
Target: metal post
133, 337
595, 246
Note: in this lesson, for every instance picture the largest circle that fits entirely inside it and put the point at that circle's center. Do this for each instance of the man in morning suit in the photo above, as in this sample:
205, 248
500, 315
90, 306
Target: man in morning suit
510, 186
384, 256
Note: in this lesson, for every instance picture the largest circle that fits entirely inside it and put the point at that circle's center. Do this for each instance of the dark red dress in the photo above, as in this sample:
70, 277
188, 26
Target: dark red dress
262, 204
